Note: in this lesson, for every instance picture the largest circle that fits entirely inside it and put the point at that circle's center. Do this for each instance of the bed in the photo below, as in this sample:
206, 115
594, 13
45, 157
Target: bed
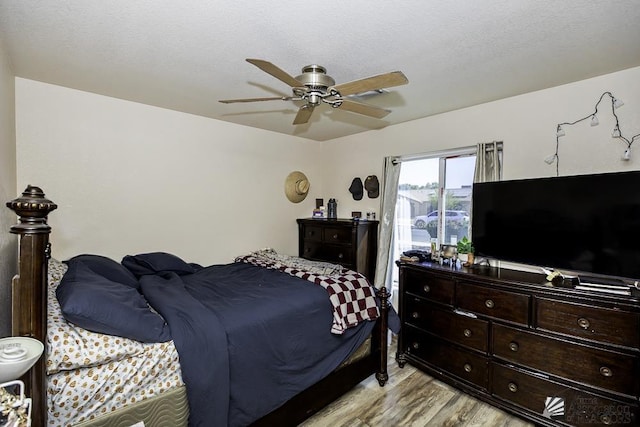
158, 395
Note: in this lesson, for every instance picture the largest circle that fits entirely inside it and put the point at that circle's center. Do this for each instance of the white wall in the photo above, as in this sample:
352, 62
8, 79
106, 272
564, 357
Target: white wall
133, 178
8, 242
130, 178
526, 124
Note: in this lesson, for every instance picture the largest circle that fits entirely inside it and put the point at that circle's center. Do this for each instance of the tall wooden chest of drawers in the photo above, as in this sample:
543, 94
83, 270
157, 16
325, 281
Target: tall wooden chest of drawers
352, 244
554, 356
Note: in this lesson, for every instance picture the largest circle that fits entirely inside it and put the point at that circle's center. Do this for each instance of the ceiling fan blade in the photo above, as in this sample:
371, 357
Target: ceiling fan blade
274, 98
394, 78
304, 114
276, 72
367, 110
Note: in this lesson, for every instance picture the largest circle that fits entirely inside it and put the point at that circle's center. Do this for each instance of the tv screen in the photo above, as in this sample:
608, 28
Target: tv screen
584, 223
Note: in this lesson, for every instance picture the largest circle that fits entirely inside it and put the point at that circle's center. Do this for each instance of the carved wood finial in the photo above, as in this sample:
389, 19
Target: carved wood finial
32, 208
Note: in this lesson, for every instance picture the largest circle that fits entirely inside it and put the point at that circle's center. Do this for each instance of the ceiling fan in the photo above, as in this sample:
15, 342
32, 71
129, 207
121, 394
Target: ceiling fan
314, 87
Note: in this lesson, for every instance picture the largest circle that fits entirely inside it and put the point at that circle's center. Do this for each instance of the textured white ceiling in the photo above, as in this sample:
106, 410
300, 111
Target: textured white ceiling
186, 55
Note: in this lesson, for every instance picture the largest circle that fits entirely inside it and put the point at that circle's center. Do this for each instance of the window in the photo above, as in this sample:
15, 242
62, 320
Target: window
428, 186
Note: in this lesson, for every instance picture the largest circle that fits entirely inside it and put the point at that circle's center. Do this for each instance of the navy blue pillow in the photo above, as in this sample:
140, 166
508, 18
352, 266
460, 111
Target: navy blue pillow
107, 268
157, 262
101, 305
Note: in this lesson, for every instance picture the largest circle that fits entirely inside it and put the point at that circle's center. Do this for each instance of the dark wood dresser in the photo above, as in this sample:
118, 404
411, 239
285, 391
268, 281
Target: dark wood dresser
554, 356
352, 244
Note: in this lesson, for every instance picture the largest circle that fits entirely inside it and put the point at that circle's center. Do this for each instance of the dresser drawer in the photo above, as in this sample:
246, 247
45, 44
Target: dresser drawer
432, 287
492, 302
580, 408
584, 364
463, 364
464, 330
312, 233
337, 235
593, 323
330, 253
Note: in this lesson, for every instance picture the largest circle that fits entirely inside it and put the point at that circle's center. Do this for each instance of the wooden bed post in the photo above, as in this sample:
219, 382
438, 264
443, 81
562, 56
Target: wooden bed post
383, 294
29, 288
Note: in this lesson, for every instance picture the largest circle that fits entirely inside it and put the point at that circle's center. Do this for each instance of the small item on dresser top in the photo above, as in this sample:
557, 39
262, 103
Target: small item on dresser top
373, 186
318, 212
356, 215
607, 289
405, 258
421, 256
604, 285
356, 189
332, 211
558, 279
448, 251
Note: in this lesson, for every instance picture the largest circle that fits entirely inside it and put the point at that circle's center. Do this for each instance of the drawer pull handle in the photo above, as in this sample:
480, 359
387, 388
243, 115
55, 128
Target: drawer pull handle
415, 315
467, 333
340, 255
335, 236
513, 387
489, 303
426, 288
513, 346
415, 345
605, 419
467, 367
583, 323
606, 372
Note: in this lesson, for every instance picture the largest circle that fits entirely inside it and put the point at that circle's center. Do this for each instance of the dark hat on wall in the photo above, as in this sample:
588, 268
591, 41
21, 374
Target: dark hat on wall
373, 186
356, 189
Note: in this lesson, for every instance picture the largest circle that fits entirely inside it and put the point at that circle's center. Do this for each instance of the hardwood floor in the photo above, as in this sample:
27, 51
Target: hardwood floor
410, 398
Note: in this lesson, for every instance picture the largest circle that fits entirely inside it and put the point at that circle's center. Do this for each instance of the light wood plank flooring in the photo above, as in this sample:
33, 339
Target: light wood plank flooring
410, 398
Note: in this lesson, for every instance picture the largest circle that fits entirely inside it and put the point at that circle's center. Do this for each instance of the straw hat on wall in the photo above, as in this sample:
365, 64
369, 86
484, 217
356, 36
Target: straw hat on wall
296, 186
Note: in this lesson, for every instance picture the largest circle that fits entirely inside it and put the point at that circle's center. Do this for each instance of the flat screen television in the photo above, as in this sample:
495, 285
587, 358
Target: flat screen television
587, 224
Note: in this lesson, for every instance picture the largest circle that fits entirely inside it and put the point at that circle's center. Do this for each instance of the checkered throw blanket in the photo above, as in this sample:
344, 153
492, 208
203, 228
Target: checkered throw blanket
350, 293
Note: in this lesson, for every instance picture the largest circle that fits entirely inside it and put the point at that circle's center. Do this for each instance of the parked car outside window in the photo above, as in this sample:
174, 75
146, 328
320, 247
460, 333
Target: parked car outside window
421, 221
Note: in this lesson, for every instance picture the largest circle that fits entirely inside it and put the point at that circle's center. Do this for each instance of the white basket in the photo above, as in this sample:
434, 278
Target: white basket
17, 408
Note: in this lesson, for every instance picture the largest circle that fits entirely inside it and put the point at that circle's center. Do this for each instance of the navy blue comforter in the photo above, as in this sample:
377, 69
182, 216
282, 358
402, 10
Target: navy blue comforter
248, 338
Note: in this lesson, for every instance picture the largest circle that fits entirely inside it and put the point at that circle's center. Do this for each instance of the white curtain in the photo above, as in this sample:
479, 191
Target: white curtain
387, 220
488, 162
403, 238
